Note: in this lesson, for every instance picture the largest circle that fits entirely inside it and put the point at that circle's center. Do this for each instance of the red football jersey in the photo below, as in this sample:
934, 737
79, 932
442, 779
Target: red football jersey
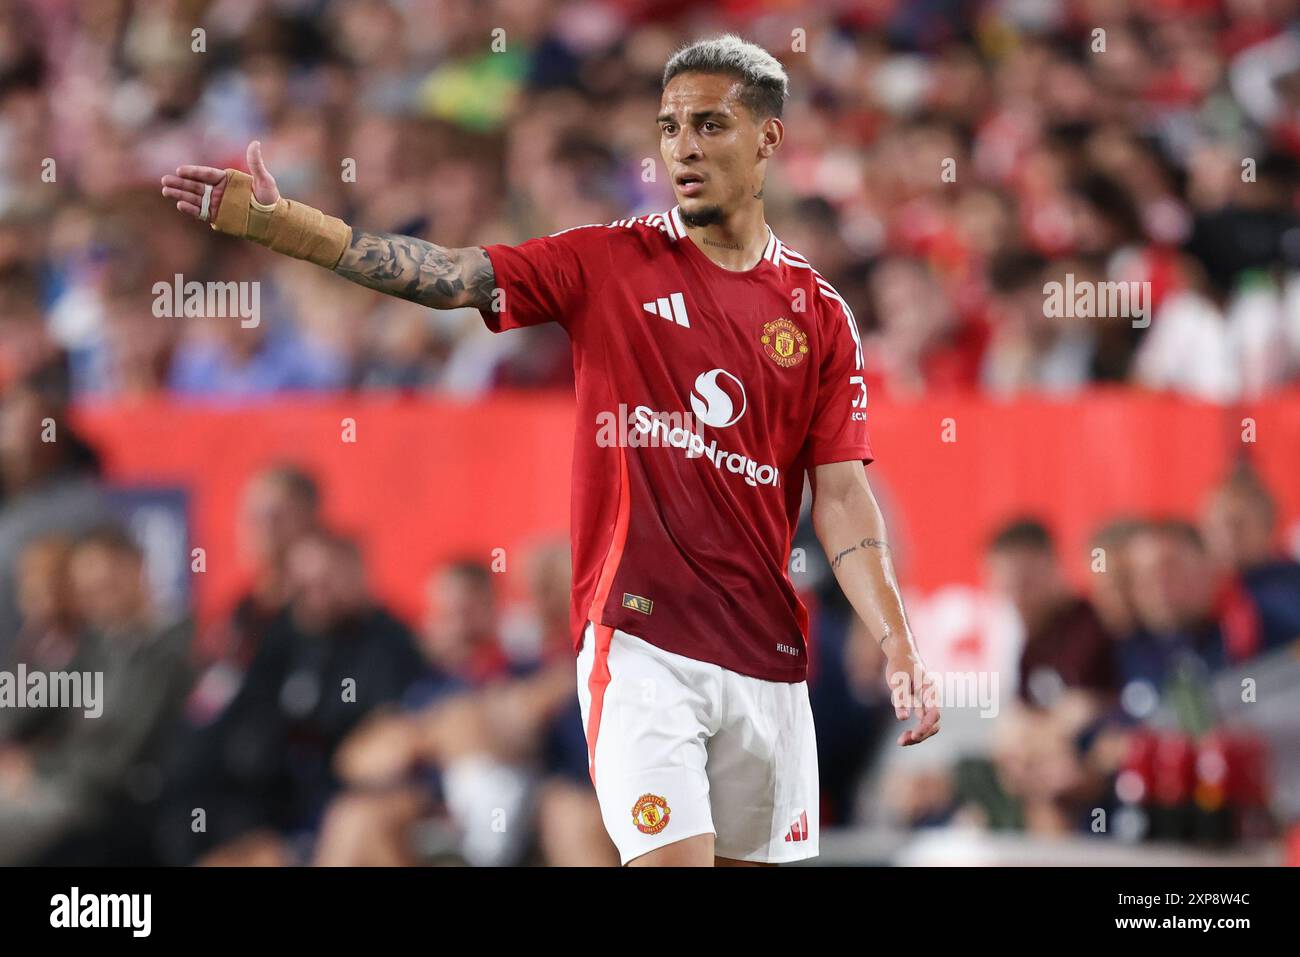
704, 395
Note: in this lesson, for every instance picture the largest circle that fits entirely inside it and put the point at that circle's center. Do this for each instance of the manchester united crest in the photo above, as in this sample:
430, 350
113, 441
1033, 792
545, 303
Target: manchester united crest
650, 814
784, 342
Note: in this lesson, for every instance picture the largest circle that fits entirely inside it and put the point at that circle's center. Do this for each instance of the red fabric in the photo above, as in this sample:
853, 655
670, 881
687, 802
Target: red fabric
597, 682
429, 479
1293, 846
1239, 619
768, 363
486, 663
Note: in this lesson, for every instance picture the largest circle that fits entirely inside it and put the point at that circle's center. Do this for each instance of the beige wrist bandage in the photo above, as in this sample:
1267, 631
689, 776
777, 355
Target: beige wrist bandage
295, 229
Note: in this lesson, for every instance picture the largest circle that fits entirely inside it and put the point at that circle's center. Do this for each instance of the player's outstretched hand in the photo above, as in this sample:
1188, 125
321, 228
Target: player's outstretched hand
190, 182
912, 690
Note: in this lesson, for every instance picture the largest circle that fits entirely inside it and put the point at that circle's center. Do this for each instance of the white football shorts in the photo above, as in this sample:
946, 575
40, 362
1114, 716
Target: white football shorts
678, 747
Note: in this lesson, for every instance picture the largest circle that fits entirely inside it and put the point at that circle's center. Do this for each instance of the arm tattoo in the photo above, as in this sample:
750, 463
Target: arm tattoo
419, 271
865, 543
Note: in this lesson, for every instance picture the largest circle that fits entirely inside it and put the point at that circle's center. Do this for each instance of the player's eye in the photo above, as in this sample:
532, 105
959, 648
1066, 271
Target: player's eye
668, 129
710, 126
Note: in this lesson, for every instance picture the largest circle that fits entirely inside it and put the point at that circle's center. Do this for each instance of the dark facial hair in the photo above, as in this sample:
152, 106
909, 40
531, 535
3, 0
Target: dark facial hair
708, 216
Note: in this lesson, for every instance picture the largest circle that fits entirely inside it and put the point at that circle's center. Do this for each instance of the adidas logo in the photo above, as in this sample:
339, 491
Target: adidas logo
671, 307
799, 829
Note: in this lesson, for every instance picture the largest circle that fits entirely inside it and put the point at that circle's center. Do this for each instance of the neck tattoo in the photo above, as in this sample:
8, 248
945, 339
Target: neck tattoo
710, 242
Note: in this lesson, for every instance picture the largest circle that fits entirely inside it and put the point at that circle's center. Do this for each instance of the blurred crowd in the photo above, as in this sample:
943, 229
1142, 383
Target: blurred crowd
312, 725
945, 162
1128, 699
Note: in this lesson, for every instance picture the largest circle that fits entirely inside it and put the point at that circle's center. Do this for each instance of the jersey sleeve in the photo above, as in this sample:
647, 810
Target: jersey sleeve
838, 432
541, 280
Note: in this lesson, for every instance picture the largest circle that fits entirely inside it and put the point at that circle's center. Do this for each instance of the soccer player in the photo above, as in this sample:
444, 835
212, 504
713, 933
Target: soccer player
714, 369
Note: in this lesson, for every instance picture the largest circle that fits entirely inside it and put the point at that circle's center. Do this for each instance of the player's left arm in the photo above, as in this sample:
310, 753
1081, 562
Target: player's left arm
851, 528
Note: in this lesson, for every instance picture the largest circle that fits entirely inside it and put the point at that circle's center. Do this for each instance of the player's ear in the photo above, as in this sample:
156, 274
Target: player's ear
770, 137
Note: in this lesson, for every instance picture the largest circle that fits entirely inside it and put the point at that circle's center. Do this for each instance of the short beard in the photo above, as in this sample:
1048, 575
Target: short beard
708, 216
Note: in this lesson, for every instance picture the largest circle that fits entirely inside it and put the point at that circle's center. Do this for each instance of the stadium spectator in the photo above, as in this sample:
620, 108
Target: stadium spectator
1173, 595
1043, 765
445, 749
1066, 646
48, 485
1262, 594
51, 629
1110, 576
82, 785
1066, 680
263, 771
1030, 351
236, 360
482, 735
280, 505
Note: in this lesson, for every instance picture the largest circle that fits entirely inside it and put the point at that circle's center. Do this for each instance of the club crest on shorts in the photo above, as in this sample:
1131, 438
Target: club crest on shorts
784, 342
650, 813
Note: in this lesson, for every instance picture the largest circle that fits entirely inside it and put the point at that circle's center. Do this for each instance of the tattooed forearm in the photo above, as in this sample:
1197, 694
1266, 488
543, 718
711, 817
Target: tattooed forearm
865, 543
420, 271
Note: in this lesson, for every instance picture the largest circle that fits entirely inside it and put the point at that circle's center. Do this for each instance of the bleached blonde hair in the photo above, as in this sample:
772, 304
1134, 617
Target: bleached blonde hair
765, 79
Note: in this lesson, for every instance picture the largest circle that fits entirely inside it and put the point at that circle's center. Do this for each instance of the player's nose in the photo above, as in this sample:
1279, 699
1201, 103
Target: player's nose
685, 147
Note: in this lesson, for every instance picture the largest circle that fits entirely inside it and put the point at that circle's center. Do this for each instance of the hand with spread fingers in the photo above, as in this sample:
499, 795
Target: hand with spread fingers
249, 205
198, 190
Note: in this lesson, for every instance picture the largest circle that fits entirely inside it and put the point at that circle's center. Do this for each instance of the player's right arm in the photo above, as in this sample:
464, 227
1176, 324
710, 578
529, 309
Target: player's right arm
401, 266
420, 271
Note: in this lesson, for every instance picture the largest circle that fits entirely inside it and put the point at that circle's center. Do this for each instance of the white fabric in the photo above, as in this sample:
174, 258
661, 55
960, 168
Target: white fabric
489, 801
727, 753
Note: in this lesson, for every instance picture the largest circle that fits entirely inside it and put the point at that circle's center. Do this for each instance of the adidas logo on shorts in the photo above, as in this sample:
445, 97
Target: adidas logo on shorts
799, 829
